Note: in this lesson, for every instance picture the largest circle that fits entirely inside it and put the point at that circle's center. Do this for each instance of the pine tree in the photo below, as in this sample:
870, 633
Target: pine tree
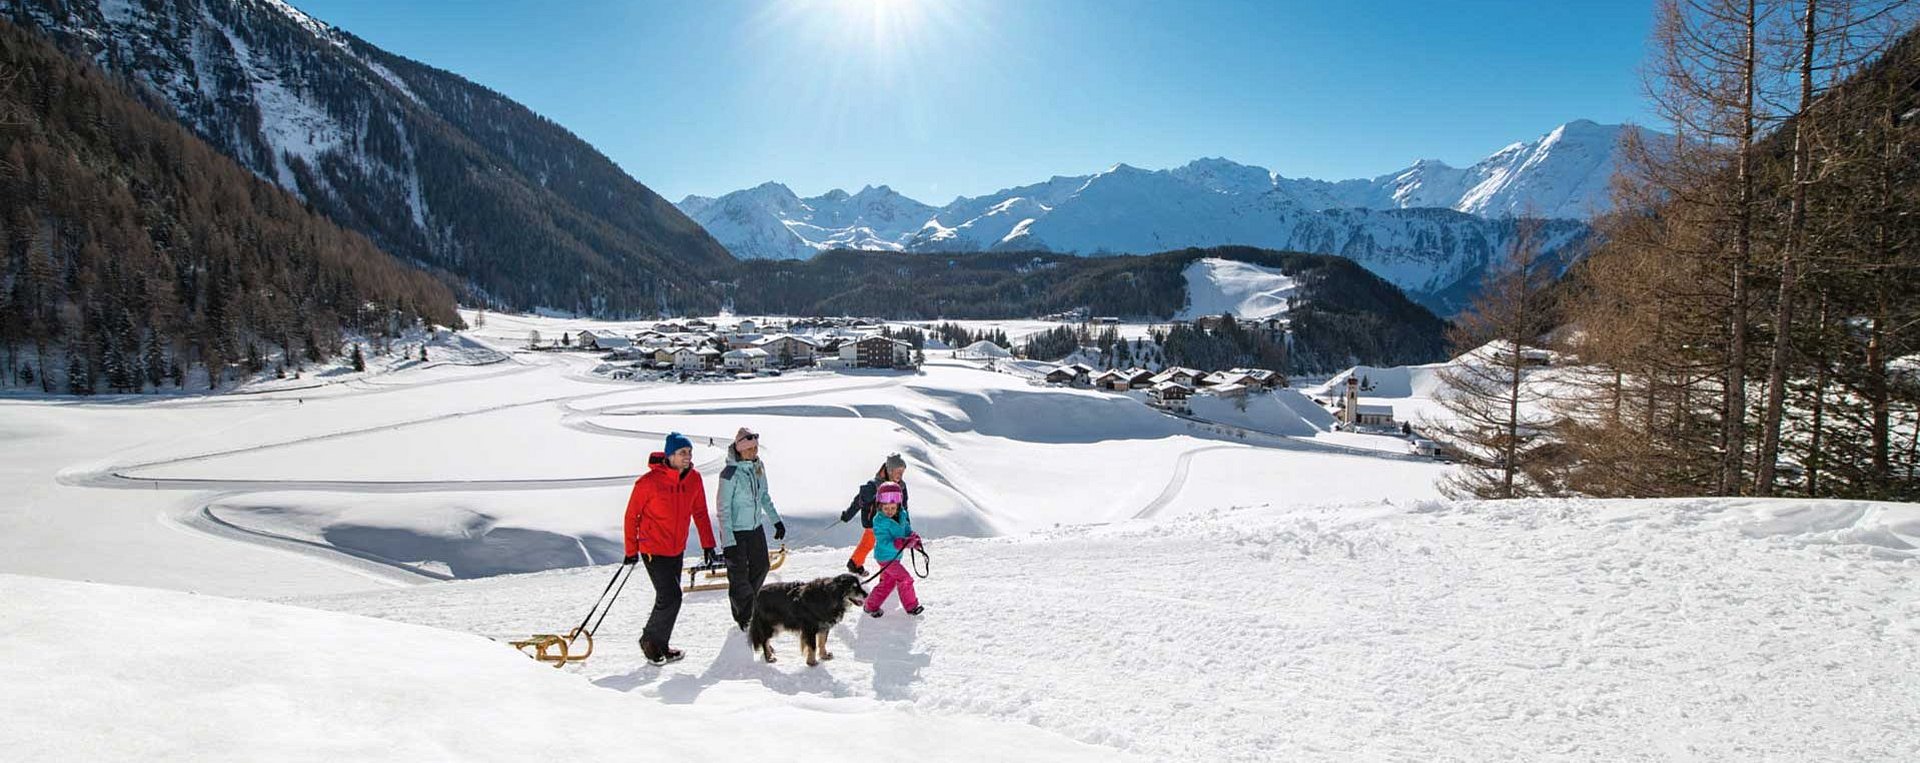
77, 381
153, 361
359, 360
423, 353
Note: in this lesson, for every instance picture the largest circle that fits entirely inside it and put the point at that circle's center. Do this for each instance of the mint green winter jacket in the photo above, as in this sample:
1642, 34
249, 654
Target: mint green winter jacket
743, 496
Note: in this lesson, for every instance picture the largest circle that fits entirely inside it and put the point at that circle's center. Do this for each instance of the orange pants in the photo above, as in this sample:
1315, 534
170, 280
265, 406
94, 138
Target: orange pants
865, 547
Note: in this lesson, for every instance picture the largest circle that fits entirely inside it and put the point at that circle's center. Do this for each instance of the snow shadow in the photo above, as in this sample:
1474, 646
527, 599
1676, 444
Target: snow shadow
1054, 418
736, 661
495, 551
887, 643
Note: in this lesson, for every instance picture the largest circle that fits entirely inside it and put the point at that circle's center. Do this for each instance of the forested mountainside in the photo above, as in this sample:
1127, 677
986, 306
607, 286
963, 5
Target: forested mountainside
135, 252
1340, 313
504, 205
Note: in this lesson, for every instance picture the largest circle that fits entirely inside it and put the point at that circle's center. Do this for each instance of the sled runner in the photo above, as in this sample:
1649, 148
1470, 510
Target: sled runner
713, 577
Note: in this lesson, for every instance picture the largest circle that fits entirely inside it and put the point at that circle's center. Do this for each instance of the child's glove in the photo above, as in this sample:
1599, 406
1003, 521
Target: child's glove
900, 544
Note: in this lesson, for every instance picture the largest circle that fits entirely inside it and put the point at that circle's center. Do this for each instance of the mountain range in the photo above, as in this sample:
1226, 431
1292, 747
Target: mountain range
1430, 228
506, 206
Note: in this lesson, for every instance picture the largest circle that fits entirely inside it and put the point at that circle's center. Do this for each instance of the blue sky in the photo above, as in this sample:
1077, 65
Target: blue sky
947, 97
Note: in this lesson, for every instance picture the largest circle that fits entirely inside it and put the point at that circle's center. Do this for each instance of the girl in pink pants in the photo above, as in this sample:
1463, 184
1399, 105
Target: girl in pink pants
892, 535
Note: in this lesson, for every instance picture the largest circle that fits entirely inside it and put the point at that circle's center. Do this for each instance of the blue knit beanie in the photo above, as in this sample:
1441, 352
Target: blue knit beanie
676, 441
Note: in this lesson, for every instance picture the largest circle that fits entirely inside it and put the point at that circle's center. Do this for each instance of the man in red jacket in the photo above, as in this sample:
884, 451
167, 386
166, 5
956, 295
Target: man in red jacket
663, 499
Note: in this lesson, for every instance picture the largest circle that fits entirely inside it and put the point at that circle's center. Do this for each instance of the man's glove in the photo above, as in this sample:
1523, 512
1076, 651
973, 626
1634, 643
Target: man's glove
631, 559
708, 557
847, 516
779, 530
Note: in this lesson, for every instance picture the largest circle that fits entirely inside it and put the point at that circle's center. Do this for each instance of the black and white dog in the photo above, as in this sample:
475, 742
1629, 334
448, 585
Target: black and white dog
809, 609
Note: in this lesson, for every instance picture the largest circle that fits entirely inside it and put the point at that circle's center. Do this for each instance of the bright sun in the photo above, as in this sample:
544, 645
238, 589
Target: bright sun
888, 24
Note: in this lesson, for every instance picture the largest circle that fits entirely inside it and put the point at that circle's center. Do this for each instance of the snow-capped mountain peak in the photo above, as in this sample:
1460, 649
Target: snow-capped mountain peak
1424, 227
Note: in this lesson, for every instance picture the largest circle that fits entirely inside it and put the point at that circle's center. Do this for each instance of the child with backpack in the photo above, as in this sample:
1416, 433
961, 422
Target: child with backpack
893, 535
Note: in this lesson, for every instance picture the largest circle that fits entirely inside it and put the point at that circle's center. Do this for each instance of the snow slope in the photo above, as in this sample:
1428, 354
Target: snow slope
98, 672
1221, 287
1106, 580
1420, 630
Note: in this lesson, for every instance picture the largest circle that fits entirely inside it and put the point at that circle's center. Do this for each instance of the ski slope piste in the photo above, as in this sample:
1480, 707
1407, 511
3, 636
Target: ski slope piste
333, 572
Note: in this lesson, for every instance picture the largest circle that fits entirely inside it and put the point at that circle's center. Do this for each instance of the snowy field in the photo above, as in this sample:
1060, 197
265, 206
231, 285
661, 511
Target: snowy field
1107, 580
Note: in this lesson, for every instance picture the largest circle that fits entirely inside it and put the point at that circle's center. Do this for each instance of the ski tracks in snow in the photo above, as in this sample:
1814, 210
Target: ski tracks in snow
1178, 481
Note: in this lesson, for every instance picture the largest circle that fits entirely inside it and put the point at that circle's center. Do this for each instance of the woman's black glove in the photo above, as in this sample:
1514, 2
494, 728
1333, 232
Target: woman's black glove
779, 530
708, 557
631, 559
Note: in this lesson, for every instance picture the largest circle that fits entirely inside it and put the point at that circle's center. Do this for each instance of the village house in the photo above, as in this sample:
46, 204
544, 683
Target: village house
1076, 374
878, 352
788, 350
1138, 378
1112, 381
1266, 377
749, 359
1223, 378
1170, 396
688, 359
1185, 377
1229, 390
608, 342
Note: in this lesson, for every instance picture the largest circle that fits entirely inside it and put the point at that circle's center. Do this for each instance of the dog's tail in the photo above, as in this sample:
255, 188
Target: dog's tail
759, 632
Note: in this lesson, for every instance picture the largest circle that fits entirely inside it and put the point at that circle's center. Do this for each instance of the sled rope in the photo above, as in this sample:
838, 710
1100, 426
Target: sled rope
582, 627
913, 565
558, 649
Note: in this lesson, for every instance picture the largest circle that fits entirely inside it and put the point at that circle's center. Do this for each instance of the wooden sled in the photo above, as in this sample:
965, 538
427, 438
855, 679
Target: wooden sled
713, 577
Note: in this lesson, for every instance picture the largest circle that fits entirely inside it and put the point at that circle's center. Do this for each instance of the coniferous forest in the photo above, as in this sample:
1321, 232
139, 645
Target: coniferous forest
1342, 314
138, 257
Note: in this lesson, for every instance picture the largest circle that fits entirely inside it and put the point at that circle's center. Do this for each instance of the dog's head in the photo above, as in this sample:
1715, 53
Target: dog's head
849, 588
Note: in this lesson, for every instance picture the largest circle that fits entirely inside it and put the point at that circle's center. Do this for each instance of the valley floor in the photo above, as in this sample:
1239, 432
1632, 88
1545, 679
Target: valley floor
1106, 580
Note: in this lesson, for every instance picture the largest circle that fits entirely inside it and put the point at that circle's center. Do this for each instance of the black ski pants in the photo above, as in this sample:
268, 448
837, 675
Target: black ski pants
664, 571
746, 571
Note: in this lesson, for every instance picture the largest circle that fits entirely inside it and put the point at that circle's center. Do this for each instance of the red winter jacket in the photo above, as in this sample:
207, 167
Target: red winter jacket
662, 502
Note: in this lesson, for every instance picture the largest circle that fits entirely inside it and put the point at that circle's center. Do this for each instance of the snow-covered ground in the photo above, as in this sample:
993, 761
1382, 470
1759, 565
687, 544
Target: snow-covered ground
1106, 579
96, 672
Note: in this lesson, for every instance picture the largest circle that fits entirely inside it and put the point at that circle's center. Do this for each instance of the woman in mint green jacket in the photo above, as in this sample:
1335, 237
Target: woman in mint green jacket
743, 498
